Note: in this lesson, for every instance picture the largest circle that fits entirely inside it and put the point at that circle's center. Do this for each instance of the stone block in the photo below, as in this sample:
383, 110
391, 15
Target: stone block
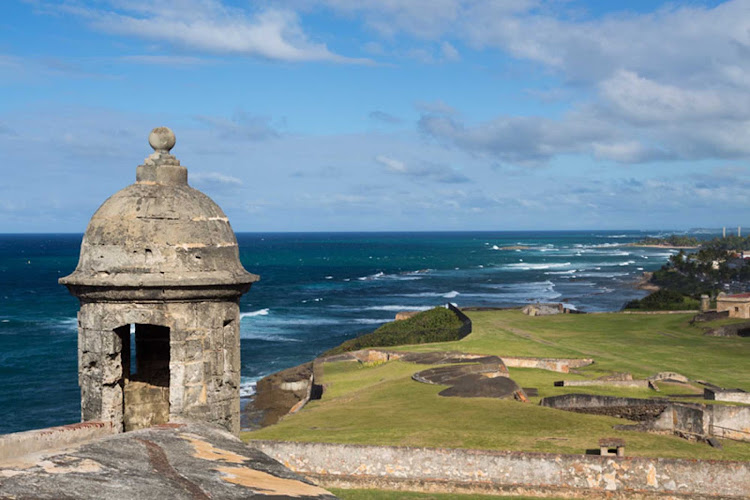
90, 340
176, 373
111, 367
194, 373
196, 394
111, 343
187, 351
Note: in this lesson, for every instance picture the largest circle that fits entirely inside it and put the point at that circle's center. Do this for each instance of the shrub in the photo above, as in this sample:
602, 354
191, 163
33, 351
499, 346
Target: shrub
436, 325
664, 300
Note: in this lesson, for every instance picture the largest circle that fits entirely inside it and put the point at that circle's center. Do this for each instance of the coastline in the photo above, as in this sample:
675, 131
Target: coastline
666, 247
644, 282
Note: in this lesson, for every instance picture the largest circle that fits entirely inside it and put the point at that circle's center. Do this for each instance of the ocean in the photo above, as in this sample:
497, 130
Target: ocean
316, 290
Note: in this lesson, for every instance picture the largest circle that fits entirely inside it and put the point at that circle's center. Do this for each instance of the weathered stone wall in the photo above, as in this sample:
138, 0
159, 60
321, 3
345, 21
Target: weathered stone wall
204, 361
609, 383
730, 395
451, 471
13, 446
639, 410
729, 422
466, 325
552, 364
737, 307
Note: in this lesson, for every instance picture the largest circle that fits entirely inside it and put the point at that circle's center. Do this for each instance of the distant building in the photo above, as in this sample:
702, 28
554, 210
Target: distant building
738, 305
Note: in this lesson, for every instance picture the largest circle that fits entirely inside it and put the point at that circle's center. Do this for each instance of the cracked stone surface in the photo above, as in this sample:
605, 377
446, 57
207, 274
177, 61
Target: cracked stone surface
175, 461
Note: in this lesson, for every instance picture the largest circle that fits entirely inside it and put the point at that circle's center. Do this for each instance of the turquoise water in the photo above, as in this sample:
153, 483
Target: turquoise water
316, 290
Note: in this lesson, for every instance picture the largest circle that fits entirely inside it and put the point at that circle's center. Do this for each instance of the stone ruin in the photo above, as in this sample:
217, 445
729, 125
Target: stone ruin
159, 281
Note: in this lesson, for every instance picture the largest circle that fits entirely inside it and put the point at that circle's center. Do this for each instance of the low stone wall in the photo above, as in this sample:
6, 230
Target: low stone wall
639, 410
18, 444
608, 383
478, 471
560, 365
735, 330
730, 395
728, 422
466, 325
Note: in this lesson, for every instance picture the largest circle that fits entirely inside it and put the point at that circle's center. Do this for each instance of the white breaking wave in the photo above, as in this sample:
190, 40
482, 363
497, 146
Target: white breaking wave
247, 386
398, 308
572, 271
526, 266
518, 292
406, 276
270, 338
446, 295
67, 323
370, 321
260, 312
601, 275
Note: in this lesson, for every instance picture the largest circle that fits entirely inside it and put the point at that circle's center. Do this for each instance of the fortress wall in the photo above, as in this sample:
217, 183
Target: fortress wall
731, 422
18, 444
455, 470
551, 364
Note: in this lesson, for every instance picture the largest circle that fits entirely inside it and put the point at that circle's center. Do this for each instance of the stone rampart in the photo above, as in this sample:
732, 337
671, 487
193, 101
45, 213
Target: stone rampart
730, 395
560, 365
478, 471
640, 410
18, 444
728, 422
608, 383
466, 325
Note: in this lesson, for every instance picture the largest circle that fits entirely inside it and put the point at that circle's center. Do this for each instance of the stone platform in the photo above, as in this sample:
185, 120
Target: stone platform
176, 461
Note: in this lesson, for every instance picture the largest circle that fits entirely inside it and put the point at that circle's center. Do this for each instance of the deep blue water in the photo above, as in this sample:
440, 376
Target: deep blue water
316, 290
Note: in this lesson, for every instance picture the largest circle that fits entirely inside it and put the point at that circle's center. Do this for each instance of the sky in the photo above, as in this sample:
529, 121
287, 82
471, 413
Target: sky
383, 115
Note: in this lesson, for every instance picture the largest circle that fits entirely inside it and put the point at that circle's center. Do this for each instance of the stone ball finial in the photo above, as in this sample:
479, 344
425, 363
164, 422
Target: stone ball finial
162, 139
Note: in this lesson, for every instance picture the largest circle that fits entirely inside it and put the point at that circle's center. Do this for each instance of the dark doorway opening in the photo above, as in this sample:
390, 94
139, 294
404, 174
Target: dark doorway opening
145, 369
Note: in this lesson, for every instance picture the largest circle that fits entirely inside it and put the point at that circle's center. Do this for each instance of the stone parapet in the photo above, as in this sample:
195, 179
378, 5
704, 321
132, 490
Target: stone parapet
500, 472
16, 445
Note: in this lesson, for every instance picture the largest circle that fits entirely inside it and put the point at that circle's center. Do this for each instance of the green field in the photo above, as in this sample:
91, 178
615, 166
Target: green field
380, 404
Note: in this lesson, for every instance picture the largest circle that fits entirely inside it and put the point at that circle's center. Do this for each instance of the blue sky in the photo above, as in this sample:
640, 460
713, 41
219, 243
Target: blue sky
317, 115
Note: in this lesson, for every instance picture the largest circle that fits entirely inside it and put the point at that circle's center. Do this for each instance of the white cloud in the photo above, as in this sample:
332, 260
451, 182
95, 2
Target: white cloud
642, 100
211, 26
242, 126
450, 53
391, 164
436, 172
214, 178
667, 84
522, 140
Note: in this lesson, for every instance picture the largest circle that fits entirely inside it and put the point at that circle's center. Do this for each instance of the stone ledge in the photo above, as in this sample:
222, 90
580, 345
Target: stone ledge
16, 445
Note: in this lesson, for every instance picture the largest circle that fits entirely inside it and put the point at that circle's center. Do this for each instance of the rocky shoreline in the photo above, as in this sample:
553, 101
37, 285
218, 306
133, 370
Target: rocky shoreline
644, 282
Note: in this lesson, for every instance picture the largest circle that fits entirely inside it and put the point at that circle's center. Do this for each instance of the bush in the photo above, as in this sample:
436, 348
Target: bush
664, 300
436, 325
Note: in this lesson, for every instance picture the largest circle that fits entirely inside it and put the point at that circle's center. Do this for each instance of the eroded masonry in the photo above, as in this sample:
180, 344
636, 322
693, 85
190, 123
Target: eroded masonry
159, 280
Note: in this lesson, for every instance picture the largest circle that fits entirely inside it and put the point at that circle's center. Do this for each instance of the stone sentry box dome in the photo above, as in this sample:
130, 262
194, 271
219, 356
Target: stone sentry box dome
159, 280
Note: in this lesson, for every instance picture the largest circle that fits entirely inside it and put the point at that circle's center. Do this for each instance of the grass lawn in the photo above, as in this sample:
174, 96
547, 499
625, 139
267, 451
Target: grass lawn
409, 495
380, 404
